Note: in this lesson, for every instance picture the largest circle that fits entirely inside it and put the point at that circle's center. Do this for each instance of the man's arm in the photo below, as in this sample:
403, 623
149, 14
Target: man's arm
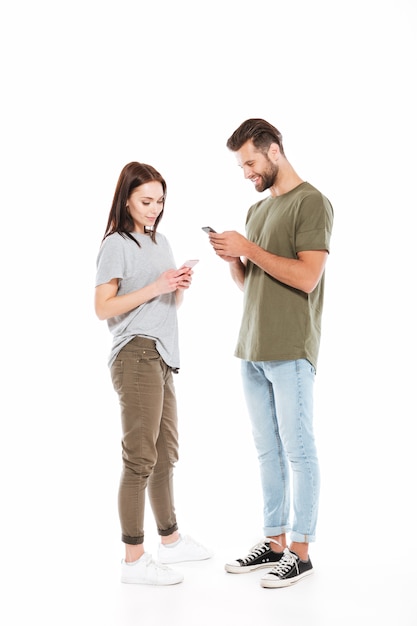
237, 271
302, 273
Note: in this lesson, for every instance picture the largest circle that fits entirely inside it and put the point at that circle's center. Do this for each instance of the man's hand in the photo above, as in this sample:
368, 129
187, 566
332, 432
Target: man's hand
228, 245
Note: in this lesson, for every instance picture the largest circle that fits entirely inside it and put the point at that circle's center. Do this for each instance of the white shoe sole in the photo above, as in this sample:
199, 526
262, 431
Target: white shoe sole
279, 583
239, 569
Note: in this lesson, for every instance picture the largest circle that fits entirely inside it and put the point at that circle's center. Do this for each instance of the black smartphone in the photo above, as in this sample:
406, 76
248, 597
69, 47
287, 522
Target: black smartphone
208, 229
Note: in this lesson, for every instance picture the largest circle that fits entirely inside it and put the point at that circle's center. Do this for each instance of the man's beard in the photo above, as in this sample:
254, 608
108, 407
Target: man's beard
268, 177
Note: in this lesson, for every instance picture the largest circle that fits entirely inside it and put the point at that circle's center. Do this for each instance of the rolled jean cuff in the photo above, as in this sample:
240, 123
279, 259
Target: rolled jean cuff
299, 538
275, 531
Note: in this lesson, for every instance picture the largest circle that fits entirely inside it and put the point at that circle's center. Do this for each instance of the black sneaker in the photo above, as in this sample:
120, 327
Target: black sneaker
259, 556
288, 571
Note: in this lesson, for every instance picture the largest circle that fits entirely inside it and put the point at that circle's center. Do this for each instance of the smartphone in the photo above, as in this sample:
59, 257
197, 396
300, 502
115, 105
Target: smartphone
190, 263
208, 229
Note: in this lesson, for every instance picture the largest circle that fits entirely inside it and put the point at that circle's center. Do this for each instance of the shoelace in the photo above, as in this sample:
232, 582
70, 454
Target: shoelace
285, 564
255, 551
156, 564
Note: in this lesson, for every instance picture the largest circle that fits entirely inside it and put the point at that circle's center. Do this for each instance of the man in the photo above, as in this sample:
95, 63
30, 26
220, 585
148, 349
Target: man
280, 267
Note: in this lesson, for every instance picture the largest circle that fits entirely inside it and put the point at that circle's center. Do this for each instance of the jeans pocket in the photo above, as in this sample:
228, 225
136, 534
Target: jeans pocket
149, 354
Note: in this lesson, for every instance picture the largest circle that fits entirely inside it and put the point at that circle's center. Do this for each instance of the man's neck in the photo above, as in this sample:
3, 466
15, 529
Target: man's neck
287, 179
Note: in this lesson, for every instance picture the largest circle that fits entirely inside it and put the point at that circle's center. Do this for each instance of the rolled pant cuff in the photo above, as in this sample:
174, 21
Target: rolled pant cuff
299, 538
166, 533
132, 541
275, 531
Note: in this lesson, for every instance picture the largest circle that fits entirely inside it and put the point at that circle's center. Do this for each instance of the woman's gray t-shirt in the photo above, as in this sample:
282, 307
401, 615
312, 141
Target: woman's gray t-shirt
120, 257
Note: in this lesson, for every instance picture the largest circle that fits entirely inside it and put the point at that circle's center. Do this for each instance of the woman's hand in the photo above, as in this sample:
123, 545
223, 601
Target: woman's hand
171, 280
185, 277
109, 304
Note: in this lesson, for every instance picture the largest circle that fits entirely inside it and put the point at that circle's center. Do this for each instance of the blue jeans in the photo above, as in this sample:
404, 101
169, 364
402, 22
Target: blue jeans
279, 397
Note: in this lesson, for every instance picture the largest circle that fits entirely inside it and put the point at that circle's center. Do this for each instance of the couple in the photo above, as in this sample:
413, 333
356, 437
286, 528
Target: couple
279, 266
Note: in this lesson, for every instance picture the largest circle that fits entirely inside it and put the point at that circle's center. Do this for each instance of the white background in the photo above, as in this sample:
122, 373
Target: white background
89, 86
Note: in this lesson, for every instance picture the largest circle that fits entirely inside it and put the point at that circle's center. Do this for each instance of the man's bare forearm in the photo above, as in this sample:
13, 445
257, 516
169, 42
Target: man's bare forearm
237, 271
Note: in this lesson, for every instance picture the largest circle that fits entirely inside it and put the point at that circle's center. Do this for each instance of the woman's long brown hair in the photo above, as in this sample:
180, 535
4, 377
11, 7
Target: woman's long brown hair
132, 175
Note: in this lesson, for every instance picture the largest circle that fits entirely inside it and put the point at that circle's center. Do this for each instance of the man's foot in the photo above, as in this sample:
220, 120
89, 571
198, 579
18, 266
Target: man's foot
185, 549
288, 571
259, 556
145, 571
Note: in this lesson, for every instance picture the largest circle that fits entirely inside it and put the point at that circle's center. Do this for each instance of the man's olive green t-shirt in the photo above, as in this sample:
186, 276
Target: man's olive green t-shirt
280, 323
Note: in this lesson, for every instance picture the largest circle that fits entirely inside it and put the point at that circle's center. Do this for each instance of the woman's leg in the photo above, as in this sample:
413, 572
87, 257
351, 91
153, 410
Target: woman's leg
138, 378
161, 481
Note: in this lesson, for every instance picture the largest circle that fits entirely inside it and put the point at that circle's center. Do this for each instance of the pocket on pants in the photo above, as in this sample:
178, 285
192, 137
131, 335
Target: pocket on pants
135, 362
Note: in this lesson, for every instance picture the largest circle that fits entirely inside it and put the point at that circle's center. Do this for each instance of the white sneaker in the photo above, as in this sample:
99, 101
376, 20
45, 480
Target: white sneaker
145, 571
185, 549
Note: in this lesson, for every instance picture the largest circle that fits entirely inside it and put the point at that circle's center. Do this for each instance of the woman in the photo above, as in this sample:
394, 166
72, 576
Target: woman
138, 291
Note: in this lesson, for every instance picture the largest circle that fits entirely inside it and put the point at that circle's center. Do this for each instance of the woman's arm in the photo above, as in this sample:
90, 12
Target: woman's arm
108, 304
182, 285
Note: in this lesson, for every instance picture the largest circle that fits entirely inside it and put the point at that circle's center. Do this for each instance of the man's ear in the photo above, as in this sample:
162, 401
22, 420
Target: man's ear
274, 152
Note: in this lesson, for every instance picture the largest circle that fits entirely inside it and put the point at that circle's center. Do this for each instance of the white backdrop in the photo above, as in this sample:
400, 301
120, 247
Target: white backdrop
89, 86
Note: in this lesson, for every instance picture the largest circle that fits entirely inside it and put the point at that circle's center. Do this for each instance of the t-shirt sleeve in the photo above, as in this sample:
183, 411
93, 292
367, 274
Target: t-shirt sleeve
315, 224
110, 260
